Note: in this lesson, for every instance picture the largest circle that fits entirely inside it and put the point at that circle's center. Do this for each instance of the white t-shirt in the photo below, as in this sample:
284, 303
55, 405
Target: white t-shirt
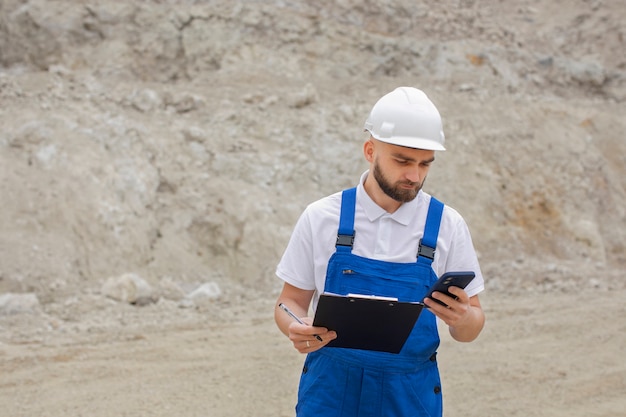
378, 235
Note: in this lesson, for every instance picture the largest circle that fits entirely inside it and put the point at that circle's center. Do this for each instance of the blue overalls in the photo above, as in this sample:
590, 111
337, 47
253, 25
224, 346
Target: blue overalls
358, 383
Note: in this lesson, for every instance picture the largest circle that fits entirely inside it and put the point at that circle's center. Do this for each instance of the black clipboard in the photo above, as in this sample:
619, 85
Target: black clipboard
367, 323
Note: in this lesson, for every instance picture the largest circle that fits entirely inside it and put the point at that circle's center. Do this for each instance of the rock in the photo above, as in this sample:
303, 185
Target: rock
586, 72
11, 303
185, 140
207, 292
129, 288
305, 97
145, 100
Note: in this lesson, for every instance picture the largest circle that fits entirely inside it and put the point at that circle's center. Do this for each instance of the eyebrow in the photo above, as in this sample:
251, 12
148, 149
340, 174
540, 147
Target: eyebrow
401, 156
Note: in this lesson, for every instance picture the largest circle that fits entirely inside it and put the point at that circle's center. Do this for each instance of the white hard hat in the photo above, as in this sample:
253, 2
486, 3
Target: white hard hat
406, 117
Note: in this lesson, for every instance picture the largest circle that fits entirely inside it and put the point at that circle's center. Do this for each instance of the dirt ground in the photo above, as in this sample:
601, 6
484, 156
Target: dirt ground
539, 355
155, 155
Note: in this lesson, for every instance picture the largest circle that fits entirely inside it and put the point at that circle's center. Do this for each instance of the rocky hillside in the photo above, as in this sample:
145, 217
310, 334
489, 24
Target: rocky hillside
180, 140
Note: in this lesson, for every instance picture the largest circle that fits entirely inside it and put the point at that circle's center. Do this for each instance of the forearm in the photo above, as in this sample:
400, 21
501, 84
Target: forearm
305, 338
282, 319
297, 301
470, 327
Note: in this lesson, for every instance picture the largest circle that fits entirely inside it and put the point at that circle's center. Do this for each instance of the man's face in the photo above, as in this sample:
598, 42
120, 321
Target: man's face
400, 172
401, 191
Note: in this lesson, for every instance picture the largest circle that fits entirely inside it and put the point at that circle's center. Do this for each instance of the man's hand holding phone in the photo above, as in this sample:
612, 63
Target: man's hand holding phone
447, 298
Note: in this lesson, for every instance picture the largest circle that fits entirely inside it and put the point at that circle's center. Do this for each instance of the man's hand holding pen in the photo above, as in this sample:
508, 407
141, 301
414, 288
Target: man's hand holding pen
306, 338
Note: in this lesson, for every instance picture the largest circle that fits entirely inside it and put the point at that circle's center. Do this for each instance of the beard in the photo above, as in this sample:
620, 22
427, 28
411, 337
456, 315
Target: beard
395, 191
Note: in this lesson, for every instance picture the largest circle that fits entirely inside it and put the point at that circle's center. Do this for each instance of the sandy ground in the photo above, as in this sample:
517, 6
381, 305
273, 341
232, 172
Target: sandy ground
165, 139
539, 355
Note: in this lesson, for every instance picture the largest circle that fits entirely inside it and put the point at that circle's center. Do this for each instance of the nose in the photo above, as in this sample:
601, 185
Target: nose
413, 174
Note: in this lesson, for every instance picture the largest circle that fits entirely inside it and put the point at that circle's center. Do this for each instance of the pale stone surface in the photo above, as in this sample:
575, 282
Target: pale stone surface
179, 141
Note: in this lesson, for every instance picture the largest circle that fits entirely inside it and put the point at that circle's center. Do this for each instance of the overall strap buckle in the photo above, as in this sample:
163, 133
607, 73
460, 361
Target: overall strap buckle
426, 251
345, 240
345, 234
428, 243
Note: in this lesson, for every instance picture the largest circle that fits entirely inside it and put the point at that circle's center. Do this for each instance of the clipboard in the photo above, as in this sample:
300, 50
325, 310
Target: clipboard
365, 322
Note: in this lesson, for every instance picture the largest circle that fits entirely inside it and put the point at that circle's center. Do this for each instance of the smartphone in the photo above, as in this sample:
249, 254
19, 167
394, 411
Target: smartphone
450, 279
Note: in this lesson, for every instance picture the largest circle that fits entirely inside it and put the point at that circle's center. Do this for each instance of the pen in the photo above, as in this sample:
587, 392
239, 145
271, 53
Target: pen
286, 310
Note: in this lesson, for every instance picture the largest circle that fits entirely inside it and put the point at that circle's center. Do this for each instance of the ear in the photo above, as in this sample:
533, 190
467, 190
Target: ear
368, 150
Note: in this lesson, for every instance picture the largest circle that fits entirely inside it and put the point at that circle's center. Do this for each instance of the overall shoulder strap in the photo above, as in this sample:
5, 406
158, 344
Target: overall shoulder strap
345, 235
428, 243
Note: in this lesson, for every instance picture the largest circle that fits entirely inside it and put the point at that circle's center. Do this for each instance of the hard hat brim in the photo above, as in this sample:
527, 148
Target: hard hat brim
412, 142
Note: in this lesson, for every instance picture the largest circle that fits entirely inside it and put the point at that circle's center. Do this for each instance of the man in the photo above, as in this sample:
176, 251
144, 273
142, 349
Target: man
387, 242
